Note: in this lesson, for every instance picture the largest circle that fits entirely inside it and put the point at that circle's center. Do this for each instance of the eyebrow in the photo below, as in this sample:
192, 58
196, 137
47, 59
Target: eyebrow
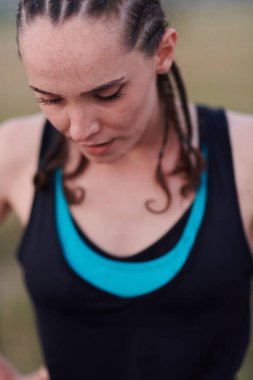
104, 86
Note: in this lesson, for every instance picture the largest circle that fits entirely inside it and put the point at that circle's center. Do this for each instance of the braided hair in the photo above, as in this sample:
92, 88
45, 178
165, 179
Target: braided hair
144, 25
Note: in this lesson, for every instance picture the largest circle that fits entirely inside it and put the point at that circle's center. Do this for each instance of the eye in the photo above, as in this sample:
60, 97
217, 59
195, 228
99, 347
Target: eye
114, 96
106, 95
47, 102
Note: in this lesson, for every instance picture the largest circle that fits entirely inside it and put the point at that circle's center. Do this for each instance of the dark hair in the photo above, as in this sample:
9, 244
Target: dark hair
144, 25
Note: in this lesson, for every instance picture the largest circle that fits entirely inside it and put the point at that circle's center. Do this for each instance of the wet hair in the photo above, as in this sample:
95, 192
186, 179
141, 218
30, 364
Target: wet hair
144, 24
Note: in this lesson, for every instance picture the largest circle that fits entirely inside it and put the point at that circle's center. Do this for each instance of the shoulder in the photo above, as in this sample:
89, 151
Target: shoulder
241, 131
241, 138
18, 138
19, 146
21, 126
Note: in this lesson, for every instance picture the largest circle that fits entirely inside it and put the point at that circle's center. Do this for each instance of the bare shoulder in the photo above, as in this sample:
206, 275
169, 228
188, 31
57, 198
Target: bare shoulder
241, 130
241, 136
19, 138
21, 127
19, 146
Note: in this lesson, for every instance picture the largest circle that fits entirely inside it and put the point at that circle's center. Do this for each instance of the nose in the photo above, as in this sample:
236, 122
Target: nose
83, 125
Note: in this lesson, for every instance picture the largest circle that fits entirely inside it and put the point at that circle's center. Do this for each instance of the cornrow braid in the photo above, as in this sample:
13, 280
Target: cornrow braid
183, 97
54, 8
34, 8
73, 8
192, 161
27, 11
144, 24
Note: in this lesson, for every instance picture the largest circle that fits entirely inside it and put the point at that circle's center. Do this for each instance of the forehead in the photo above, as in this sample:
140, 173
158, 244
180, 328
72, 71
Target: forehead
78, 48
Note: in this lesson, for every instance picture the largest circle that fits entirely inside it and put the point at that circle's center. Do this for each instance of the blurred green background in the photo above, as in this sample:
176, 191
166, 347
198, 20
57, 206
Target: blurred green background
215, 53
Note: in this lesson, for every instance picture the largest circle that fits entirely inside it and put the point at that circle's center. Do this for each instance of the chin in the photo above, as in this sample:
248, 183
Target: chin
105, 159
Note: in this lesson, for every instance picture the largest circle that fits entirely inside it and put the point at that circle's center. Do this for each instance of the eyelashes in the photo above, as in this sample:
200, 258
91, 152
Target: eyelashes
114, 96
46, 102
100, 98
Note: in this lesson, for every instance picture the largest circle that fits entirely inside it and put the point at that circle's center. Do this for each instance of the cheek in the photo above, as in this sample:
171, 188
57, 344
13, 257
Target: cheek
138, 117
132, 113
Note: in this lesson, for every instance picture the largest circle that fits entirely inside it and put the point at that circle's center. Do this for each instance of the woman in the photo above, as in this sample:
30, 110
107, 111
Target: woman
136, 250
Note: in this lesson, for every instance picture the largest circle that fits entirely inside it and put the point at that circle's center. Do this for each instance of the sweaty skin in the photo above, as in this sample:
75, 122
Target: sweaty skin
120, 137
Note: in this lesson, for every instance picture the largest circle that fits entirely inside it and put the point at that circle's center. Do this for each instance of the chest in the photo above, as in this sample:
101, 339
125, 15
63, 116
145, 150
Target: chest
217, 261
120, 223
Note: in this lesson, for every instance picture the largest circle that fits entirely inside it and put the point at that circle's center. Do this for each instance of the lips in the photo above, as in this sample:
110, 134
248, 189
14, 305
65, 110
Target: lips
98, 144
98, 149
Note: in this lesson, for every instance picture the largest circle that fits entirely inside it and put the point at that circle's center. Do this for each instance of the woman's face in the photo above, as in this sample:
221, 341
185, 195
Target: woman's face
100, 97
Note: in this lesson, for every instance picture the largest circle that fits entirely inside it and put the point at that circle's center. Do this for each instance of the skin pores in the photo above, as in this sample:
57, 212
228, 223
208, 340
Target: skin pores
65, 63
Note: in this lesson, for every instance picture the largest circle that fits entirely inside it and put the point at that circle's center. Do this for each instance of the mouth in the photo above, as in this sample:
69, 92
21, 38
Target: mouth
98, 149
98, 144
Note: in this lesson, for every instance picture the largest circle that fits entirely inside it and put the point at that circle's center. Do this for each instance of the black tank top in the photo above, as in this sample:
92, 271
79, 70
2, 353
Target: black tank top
195, 327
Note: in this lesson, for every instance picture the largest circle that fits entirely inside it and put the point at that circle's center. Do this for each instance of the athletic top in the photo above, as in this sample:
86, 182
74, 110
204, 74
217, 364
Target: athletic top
191, 325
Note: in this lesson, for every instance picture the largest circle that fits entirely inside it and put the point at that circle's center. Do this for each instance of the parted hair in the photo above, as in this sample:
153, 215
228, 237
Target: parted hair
144, 24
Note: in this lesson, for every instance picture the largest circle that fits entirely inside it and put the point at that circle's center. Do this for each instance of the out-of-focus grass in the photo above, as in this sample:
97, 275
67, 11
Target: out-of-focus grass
15, 96
18, 340
215, 53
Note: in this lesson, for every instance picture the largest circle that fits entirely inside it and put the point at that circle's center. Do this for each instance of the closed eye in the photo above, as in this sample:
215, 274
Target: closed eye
47, 102
114, 96
111, 96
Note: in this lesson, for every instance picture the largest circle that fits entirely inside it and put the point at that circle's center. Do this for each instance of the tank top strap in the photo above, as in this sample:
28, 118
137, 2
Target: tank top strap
214, 132
222, 200
202, 125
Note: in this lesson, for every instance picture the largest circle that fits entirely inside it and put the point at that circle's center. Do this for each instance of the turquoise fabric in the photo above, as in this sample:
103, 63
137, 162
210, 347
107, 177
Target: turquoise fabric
125, 279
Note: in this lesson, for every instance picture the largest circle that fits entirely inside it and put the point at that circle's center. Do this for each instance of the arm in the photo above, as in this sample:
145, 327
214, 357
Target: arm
20, 140
11, 145
241, 134
15, 152
8, 372
4, 206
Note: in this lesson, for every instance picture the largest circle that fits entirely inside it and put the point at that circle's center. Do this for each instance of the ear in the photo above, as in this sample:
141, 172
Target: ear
166, 51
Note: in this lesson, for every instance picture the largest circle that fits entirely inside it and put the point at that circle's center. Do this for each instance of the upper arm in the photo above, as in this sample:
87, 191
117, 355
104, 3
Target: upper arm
19, 144
4, 161
241, 134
